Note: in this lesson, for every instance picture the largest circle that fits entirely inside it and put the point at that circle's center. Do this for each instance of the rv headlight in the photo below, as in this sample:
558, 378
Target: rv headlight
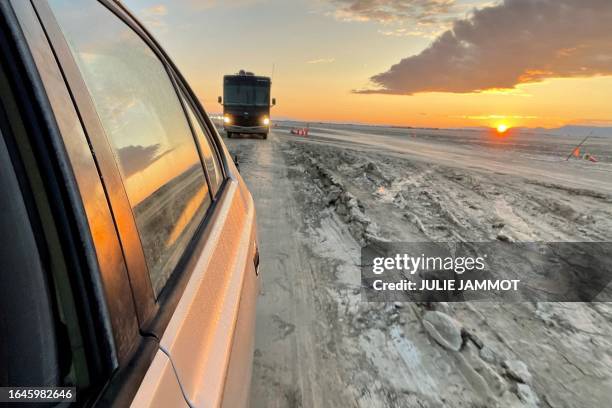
266, 121
227, 119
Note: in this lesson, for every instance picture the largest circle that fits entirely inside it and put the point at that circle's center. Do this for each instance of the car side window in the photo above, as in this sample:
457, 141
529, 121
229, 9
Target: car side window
147, 129
213, 167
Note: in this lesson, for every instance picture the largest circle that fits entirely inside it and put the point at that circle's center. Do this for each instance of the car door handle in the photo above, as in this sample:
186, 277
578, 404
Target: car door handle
256, 260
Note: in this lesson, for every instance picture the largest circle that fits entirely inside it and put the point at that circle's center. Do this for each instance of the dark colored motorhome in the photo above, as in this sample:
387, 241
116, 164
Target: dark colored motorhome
246, 104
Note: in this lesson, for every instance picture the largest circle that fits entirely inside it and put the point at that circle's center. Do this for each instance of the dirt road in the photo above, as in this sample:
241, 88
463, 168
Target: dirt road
319, 345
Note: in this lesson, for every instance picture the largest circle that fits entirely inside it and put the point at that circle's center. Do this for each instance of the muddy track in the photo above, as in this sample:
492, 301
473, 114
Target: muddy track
449, 203
320, 345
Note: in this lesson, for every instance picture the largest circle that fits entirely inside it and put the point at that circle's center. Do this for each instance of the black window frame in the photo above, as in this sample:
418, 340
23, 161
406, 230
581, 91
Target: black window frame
30, 240
187, 100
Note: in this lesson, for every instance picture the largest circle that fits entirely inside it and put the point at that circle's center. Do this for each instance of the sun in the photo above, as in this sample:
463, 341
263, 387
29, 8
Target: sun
502, 128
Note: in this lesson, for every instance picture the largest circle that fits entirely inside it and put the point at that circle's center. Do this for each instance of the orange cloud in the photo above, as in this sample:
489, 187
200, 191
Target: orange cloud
322, 61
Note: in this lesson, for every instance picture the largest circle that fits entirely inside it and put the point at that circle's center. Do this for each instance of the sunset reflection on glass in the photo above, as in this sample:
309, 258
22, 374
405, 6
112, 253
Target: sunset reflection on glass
147, 129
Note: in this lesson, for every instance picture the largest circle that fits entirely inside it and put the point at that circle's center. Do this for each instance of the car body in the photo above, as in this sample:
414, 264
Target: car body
246, 104
129, 259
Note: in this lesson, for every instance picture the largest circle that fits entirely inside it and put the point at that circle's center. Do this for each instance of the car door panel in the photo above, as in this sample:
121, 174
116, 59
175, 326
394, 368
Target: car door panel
200, 336
160, 387
238, 379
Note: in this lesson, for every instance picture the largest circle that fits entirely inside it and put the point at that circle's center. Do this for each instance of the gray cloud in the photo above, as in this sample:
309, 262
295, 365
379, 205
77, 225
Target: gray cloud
134, 159
517, 41
205, 4
424, 11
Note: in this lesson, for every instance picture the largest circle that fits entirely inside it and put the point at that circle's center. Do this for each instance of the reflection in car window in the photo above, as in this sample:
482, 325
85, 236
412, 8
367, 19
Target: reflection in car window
210, 156
147, 129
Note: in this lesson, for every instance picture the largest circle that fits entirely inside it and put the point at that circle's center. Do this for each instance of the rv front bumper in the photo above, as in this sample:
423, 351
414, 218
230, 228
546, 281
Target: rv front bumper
246, 129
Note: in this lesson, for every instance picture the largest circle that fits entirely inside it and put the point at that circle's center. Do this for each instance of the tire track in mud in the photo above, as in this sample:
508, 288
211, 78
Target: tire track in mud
346, 318
448, 204
398, 364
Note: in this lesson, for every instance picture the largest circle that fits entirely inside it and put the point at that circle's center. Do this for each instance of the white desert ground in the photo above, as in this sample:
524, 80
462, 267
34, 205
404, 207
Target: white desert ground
320, 198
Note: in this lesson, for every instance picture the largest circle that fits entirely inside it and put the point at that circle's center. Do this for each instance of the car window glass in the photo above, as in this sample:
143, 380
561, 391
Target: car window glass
147, 129
210, 156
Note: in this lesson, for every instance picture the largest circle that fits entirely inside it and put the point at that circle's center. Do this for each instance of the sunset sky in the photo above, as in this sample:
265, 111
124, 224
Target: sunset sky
442, 63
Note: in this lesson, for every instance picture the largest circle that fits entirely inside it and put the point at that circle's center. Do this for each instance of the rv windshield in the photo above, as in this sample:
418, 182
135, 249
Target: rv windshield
240, 93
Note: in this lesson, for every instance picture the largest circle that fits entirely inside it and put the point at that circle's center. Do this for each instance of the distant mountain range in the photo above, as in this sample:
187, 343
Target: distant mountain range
575, 130
569, 130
